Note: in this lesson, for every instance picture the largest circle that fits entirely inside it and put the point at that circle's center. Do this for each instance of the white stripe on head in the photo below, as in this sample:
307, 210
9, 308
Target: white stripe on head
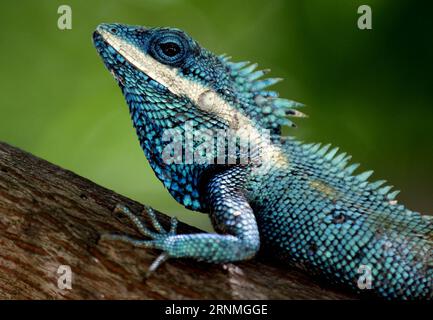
165, 75
204, 98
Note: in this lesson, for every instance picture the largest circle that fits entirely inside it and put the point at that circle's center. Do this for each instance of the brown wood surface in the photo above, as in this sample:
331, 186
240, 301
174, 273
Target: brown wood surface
51, 217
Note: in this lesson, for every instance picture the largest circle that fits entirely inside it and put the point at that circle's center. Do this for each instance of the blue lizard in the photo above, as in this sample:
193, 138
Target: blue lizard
301, 203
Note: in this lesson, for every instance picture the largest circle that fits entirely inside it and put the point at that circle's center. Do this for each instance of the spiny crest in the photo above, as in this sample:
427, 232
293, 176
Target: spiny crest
339, 166
262, 105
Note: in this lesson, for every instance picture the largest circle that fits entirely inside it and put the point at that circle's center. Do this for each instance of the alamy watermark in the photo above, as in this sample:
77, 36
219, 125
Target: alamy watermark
365, 21
64, 22
64, 280
189, 145
366, 278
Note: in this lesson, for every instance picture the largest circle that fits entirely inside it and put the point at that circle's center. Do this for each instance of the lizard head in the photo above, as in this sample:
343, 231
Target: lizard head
169, 80
168, 70
172, 68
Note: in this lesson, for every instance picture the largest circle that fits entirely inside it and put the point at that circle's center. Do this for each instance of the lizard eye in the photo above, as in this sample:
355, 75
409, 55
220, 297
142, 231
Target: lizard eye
169, 48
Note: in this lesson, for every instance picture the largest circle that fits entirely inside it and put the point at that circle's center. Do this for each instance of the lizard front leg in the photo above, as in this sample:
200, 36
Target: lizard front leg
231, 215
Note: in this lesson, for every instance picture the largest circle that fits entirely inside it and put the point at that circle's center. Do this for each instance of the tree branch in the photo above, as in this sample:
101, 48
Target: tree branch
51, 217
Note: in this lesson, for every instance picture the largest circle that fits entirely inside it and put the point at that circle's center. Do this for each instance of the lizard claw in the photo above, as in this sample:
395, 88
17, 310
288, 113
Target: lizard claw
156, 263
154, 220
135, 242
157, 238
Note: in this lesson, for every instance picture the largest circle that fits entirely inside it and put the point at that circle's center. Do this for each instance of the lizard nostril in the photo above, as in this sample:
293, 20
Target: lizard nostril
113, 30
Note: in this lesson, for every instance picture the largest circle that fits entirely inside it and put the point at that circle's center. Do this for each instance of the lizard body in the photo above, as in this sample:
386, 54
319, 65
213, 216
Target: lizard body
301, 203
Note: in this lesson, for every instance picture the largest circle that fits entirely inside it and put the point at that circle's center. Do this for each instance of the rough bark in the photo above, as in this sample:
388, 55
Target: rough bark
51, 217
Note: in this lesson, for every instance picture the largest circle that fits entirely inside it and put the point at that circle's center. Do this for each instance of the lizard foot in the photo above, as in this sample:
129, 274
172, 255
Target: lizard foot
157, 238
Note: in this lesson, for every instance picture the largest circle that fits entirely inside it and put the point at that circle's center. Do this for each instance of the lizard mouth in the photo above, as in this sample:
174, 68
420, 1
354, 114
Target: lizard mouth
114, 61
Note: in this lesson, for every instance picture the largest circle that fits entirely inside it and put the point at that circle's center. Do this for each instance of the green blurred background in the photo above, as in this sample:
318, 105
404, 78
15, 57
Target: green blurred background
369, 92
